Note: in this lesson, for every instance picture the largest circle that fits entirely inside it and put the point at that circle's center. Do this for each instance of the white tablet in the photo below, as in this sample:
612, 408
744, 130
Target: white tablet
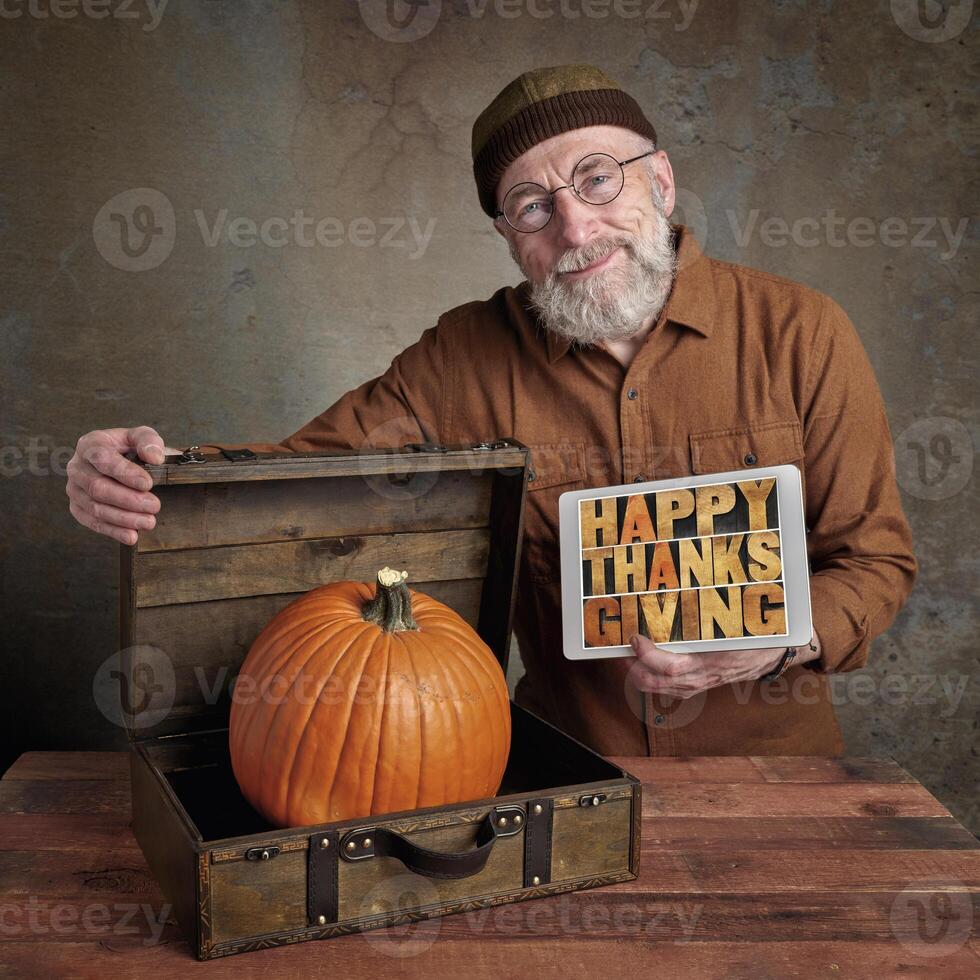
698, 563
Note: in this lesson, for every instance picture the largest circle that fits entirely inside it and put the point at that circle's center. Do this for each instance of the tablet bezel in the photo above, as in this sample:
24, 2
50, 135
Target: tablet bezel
796, 568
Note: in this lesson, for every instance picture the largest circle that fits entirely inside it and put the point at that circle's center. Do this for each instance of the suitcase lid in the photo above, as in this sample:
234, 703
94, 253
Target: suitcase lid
237, 541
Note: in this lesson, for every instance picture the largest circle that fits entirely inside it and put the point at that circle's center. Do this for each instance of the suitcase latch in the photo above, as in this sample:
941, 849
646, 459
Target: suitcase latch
191, 454
591, 799
261, 853
425, 447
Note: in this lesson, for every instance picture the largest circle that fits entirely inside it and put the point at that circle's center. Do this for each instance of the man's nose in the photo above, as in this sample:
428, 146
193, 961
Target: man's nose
575, 222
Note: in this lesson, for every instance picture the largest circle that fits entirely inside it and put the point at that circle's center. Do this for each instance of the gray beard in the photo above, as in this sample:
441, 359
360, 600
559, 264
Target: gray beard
614, 303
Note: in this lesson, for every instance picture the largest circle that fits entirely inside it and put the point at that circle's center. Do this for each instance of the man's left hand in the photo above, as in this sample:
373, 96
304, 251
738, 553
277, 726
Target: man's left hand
684, 675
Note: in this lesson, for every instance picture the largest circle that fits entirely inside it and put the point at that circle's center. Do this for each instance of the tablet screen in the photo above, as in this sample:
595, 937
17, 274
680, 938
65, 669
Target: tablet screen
699, 564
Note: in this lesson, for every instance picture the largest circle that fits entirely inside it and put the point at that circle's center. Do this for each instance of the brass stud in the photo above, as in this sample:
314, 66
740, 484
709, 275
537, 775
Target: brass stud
321, 920
351, 845
595, 800
535, 880
264, 855
325, 842
502, 822
518, 818
366, 842
538, 808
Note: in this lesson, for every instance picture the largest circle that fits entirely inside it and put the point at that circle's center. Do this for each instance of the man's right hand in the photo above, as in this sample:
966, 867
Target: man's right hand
110, 494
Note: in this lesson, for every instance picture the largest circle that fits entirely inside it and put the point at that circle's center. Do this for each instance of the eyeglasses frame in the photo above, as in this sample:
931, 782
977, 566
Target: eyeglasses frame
551, 194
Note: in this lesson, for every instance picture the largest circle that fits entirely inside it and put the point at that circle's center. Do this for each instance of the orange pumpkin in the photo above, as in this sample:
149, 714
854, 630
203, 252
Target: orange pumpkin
356, 700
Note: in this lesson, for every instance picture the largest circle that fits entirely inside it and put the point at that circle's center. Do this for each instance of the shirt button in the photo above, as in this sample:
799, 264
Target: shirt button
639, 478
659, 720
631, 394
751, 459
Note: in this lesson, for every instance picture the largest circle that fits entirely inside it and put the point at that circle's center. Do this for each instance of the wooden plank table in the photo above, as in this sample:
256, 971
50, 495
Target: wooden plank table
751, 867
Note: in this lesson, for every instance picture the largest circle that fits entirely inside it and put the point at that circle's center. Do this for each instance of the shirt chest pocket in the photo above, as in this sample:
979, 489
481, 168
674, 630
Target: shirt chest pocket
763, 444
555, 468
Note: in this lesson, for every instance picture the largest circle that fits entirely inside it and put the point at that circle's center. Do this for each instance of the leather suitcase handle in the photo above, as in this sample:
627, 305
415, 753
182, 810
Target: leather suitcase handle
433, 864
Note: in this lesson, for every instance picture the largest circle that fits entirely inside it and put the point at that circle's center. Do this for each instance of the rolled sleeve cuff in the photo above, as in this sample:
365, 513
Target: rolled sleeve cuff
844, 641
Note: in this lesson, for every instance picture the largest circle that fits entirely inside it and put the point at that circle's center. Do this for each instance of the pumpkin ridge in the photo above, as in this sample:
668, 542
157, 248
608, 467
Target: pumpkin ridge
273, 719
357, 765
441, 729
285, 638
381, 723
456, 666
357, 630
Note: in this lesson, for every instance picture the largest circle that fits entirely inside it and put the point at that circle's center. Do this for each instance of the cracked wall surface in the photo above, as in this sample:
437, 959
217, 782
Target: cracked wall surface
804, 138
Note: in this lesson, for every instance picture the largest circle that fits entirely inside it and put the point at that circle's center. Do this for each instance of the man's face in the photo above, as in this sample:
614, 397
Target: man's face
596, 272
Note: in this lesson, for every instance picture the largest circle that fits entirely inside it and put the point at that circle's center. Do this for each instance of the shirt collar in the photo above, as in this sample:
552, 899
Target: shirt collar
691, 302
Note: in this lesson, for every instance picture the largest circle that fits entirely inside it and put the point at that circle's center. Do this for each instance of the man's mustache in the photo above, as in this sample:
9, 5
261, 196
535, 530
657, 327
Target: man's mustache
582, 258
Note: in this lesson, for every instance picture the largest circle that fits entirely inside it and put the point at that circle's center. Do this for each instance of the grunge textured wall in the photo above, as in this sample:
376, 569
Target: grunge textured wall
217, 217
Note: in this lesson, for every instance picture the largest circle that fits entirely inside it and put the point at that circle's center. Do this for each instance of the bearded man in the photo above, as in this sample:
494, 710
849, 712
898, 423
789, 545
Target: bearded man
626, 354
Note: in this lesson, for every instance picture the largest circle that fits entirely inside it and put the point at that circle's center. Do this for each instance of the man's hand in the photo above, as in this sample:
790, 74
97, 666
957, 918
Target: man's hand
108, 493
684, 675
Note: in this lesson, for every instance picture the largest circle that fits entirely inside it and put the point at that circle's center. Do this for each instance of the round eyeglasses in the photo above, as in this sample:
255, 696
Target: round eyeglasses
596, 179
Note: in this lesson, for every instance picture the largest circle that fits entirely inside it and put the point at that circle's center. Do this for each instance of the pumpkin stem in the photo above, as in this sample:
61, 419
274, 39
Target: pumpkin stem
391, 607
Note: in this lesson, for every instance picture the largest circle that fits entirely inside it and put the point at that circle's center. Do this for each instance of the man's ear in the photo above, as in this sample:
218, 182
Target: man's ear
500, 230
665, 178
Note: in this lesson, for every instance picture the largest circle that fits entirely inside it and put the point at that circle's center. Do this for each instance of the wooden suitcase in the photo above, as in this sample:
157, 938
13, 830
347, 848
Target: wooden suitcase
236, 541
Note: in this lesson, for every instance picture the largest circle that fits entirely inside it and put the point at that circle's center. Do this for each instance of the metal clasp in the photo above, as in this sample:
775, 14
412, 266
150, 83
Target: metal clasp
425, 447
592, 799
191, 454
508, 820
261, 853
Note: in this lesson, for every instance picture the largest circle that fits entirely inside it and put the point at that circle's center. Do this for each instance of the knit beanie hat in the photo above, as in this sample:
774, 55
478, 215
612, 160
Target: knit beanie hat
540, 104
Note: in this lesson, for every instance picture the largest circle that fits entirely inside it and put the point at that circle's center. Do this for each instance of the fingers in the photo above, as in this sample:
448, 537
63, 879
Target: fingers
114, 516
148, 443
663, 662
121, 534
107, 459
657, 671
88, 480
108, 493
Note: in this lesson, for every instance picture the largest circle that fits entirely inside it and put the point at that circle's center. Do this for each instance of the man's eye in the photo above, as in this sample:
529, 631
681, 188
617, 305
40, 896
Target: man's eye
529, 208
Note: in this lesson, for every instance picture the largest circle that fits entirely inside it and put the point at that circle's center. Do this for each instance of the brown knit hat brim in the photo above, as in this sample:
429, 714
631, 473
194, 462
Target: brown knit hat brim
497, 143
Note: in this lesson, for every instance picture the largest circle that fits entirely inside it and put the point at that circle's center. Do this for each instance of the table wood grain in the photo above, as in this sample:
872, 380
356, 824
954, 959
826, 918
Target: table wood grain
750, 867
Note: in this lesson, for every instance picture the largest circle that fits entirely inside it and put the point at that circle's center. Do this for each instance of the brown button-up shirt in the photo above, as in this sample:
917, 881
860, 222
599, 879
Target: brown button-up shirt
742, 368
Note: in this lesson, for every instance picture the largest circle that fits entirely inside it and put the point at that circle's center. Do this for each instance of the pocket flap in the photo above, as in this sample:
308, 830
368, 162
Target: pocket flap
768, 444
554, 463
